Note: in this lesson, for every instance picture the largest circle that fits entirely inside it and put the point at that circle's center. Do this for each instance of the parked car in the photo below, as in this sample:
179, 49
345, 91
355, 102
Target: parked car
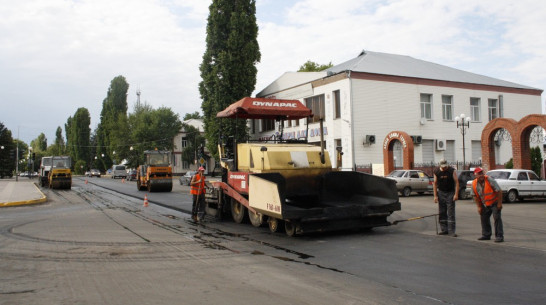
464, 176
93, 173
408, 181
186, 179
131, 175
516, 184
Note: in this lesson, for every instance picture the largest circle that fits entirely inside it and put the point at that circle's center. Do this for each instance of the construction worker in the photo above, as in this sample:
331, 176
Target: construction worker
446, 186
198, 186
488, 198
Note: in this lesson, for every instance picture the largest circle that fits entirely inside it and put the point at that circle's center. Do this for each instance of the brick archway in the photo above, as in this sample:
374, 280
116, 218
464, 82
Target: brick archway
407, 147
519, 131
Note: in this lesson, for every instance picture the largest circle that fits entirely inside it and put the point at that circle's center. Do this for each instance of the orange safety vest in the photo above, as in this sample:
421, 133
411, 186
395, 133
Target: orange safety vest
199, 188
489, 194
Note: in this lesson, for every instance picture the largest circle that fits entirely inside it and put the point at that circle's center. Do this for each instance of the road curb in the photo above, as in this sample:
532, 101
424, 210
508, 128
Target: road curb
26, 202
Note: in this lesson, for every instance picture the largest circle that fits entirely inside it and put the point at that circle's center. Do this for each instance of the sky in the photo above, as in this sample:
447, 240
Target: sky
59, 55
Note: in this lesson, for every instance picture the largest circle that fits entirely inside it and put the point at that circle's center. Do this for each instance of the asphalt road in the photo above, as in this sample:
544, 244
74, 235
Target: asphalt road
93, 245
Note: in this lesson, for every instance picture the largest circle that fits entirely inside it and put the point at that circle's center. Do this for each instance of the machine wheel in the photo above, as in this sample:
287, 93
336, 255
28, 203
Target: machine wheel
512, 196
238, 211
290, 228
406, 191
273, 224
256, 219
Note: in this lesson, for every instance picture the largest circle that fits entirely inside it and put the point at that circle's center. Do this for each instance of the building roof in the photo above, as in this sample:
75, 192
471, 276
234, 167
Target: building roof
197, 123
289, 80
407, 66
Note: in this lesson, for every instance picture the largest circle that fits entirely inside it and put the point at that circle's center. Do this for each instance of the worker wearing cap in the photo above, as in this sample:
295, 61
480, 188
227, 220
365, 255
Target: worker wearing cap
198, 186
488, 198
445, 189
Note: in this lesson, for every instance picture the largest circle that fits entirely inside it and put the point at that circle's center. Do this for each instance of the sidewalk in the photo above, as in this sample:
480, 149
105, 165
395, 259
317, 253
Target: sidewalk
24, 191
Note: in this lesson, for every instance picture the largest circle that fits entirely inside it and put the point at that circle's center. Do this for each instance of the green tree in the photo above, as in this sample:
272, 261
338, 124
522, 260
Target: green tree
149, 129
78, 134
40, 143
509, 164
59, 144
228, 69
113, 126
536, 160
189, 116
7, 152
311, 66
22, 148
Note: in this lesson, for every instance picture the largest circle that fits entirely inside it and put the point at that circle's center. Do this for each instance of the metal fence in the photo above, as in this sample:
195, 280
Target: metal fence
427, 167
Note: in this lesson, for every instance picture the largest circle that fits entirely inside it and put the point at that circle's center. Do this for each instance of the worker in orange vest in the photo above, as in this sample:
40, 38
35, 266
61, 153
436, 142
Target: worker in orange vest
488, 198
198, 187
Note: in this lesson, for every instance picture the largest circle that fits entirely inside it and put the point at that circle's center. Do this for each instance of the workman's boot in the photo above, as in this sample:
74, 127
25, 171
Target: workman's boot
485, 238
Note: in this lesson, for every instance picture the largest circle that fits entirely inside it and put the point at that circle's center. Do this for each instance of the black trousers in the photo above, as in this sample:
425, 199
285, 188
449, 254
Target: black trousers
485, 218
198, 208
446, 211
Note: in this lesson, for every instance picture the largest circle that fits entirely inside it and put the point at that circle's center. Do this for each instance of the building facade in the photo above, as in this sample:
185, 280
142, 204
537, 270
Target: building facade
180, 167
367, 99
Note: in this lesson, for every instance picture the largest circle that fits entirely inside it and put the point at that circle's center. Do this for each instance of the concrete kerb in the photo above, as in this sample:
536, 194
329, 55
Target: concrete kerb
26, 202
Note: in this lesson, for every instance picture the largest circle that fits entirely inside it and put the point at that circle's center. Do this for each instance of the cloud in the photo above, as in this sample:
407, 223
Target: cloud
59, 55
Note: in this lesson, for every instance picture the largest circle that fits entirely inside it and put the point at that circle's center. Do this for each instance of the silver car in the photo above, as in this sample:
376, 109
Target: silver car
408, 181
186, 179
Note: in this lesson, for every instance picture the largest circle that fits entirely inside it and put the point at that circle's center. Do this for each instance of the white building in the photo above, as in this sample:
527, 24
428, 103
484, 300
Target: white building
368, 97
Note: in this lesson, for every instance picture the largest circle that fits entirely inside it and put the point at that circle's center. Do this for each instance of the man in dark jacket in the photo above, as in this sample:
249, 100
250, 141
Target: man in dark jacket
446, 186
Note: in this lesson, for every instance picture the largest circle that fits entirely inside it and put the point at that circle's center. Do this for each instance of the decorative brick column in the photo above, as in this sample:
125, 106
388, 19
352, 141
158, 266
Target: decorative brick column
519, 131
524, 128
488, 133
407, 147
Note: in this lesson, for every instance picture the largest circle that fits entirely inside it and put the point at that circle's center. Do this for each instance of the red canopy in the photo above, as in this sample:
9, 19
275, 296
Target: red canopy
265, 108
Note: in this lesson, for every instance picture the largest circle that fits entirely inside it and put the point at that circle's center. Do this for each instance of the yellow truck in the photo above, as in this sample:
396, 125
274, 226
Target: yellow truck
290, 184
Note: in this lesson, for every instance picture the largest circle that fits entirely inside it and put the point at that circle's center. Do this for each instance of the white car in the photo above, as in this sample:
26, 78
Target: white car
516, 184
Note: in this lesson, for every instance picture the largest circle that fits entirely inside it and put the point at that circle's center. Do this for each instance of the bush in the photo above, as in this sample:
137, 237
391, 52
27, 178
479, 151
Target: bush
80, 167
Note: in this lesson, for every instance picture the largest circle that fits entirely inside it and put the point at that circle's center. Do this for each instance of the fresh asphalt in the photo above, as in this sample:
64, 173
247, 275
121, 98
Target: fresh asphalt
94, 245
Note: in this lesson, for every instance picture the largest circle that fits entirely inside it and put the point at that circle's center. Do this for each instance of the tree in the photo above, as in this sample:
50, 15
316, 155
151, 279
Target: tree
78, 135
149, 129
228, 69
536, 160
113, 126
7, 152
40, 143
311, 66
189, 116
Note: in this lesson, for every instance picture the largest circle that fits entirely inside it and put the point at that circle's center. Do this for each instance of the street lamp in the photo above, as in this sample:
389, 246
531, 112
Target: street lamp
2, 169
463, 123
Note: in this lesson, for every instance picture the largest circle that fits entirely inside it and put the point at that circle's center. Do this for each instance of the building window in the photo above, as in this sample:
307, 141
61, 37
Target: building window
252, 126
493, 109
316, 104
426, 106
337, 104
268, 125
184, 142
288, 123
447, 107
475, 109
